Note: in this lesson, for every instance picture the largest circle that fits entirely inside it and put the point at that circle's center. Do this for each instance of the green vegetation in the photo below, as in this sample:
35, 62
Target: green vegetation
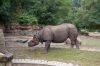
84, 14
87, 14
83, 58
45, 11
26, 19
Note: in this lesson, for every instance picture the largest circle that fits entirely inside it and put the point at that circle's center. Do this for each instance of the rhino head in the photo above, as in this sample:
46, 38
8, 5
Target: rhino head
34, 41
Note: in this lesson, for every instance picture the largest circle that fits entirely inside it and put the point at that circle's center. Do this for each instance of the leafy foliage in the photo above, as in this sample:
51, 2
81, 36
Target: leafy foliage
25, 19
47, 11
5, 11
84, 14
87, 15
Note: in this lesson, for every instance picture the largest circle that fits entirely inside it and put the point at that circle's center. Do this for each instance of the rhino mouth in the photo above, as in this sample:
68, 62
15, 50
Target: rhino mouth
31, 45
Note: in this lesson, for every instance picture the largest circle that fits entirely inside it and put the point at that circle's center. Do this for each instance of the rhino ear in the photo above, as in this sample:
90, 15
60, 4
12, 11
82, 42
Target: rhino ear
37, 32
35, 38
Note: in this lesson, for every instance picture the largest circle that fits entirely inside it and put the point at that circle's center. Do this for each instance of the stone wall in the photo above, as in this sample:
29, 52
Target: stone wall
26, 32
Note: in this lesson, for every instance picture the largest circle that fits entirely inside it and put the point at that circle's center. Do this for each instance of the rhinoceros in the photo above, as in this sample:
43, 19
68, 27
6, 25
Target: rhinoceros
55, 34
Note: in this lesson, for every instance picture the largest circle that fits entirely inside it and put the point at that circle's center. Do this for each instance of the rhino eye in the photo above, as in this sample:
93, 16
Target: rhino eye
32, 41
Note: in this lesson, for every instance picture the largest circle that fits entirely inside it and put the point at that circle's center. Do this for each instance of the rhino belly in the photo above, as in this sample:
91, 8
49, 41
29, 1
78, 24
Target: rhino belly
59, 38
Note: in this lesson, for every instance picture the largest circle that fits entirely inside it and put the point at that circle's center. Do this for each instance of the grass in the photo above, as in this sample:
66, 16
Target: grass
91, 42
83, 58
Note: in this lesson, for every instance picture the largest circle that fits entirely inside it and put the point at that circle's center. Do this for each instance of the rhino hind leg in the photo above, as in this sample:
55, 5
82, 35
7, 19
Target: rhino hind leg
74, 43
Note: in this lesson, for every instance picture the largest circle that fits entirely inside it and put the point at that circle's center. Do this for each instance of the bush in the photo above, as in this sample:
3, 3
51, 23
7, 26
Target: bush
26, 19
84, 32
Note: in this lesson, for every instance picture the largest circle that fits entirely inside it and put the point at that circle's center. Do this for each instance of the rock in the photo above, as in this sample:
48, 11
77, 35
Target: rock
22, 41
84, 32
1, 55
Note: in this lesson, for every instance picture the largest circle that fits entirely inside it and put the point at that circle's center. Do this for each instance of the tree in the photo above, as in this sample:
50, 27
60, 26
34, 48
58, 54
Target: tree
87, 14
47, 11
5, 12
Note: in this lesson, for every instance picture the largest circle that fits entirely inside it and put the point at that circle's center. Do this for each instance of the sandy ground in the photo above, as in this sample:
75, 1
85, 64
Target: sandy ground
13, 42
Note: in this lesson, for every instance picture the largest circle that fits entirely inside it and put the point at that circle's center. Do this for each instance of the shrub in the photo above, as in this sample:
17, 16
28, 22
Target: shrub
26, 19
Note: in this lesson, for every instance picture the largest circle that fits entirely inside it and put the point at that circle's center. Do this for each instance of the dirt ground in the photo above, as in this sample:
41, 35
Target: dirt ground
15, 42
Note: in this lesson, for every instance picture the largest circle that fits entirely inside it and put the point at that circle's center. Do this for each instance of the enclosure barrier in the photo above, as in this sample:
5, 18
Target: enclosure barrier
38, 62
4, 61
5, 57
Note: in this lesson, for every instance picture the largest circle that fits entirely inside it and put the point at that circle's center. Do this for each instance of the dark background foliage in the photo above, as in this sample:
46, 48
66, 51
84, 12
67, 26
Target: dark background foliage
85, 14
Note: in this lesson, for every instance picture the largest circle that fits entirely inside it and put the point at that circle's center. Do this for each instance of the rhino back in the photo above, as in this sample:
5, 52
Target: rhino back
59, 33
46, 34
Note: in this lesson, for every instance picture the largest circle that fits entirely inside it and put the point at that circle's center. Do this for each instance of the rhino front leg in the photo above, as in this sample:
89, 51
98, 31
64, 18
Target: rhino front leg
47, 46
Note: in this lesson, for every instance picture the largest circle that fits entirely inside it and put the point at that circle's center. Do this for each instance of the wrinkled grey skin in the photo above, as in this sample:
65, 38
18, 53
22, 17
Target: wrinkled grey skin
56, 34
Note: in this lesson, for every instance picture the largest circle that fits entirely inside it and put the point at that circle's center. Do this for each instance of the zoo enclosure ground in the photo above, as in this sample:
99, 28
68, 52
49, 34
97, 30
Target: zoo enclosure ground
88, 43
58, 51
